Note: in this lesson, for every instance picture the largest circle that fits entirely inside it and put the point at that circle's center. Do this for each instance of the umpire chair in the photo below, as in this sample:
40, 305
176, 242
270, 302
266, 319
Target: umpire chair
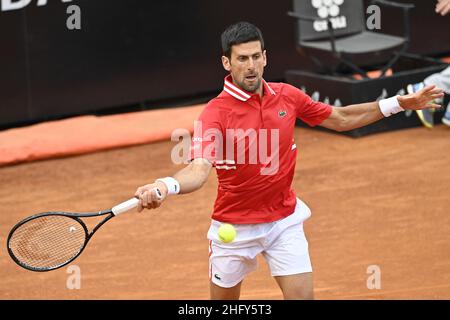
333, 34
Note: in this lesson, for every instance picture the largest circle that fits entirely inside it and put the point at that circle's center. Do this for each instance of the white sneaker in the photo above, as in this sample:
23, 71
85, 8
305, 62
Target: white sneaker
446, 119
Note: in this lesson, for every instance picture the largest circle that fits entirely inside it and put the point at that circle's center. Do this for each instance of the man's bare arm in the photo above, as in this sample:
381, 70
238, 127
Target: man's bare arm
190, 178
359, 115
353, 116
193, 176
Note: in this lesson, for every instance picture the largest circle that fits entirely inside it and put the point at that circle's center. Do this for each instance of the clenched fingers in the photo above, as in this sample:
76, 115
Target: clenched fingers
149, 199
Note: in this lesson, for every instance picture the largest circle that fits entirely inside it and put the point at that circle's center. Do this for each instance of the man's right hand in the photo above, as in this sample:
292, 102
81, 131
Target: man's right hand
443, 7
147, 195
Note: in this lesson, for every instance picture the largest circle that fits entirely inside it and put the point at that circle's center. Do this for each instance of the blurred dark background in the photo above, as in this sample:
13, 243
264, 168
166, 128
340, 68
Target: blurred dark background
134, 54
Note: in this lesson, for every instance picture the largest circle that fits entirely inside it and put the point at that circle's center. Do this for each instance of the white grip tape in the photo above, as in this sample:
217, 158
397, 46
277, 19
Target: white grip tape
390, 106
131, 204
125, 206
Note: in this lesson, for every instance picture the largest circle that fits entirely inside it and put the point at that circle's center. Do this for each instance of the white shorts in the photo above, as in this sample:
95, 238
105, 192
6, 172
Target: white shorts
282, 243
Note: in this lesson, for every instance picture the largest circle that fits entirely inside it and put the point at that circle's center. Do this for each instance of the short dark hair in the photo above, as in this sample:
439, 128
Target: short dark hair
238, 33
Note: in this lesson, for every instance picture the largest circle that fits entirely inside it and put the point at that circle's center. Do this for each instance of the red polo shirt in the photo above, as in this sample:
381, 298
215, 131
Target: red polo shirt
250, 141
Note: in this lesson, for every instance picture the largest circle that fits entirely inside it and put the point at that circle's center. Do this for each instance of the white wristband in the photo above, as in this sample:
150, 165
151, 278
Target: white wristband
173, 187
390, 106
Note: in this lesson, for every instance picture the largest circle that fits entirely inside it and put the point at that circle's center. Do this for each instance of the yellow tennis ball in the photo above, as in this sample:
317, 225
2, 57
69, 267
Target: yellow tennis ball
227, 233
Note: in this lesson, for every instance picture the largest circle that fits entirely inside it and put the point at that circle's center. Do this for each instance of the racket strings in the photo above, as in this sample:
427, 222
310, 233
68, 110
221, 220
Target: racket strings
47, 242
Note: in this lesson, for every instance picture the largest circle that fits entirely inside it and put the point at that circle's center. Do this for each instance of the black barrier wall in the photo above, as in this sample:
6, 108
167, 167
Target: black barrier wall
132, 51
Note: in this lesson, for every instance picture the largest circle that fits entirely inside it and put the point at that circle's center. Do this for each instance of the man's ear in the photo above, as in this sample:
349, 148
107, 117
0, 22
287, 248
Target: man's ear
226, 63
265, 58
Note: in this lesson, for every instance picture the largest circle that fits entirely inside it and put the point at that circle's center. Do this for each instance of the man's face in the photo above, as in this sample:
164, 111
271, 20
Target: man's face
246, 65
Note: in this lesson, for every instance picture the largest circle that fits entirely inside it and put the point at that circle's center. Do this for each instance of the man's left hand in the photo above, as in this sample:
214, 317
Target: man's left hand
422, 99
443, 7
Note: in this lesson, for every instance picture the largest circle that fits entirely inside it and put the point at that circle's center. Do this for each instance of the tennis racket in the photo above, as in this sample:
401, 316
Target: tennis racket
50, 240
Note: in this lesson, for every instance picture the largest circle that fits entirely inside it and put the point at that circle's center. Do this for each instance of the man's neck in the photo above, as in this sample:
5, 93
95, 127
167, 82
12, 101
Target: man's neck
258, 91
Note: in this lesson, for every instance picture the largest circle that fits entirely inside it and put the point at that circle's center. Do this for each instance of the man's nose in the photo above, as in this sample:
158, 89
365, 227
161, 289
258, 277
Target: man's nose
251, 64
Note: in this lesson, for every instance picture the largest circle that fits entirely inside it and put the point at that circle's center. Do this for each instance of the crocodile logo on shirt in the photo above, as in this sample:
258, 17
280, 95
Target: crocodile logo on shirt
282, 113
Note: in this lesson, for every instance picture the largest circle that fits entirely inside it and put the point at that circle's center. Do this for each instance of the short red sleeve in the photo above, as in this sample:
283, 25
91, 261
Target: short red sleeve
310, 111
207, 141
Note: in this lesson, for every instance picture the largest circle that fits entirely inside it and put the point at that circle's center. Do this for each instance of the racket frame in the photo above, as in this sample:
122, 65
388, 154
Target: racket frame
74, 216
114, 211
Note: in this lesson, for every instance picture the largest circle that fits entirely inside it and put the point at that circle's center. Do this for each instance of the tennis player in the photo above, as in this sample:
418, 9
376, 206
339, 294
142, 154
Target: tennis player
254, 192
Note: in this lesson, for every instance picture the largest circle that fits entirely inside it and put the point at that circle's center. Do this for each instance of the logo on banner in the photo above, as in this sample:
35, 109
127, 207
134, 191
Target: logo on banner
73, 21
329, 9
8, 5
